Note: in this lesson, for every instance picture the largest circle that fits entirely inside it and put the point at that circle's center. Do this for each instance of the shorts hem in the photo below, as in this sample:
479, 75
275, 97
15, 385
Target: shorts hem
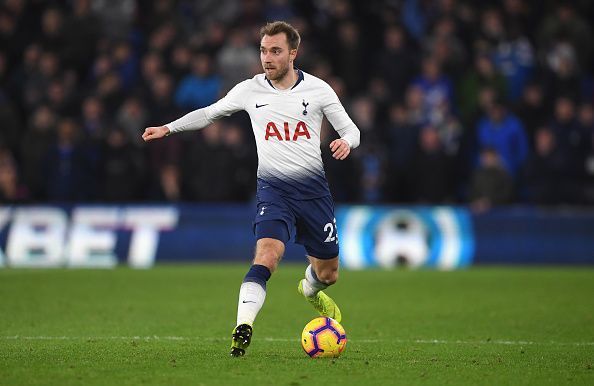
321, 255
270, 235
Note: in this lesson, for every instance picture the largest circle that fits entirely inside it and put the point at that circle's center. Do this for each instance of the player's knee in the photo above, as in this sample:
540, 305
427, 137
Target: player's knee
328, 276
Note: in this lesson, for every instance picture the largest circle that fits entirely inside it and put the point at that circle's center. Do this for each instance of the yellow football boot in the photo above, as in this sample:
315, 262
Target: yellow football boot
322, 303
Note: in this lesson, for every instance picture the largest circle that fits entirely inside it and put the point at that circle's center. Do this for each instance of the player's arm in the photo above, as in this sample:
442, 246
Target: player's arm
195, 120
350, 135
200, 118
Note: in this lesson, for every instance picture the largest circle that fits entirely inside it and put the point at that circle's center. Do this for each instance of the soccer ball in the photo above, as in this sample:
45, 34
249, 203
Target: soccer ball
323, 338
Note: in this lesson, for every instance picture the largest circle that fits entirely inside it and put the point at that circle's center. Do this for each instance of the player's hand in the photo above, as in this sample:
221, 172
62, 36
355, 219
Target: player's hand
154, 132
340, 149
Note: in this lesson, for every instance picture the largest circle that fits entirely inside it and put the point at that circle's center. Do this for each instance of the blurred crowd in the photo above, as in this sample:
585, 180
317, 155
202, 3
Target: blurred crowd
458, 101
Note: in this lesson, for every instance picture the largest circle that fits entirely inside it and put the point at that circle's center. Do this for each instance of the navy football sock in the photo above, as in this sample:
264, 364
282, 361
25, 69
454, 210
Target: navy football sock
258, 274
252, 294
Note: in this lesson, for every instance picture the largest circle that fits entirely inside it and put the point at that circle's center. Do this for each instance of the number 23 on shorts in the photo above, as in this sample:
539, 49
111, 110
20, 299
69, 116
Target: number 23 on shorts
330, 228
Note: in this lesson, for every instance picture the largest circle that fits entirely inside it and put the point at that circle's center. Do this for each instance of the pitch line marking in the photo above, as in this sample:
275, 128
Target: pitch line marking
271, 339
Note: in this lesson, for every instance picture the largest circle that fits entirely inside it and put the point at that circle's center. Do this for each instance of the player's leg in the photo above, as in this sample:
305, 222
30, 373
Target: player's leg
252, 292
323, 272
316, 230
270, 247
319, 275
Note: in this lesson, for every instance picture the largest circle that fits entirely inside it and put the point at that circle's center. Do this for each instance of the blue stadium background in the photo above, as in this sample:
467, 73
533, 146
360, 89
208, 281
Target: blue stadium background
484, 107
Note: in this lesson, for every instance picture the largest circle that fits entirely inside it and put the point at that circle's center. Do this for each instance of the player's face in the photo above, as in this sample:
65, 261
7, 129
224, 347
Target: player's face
276, 56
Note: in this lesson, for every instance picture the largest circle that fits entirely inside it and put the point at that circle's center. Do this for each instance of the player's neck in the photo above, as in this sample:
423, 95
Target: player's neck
287, 81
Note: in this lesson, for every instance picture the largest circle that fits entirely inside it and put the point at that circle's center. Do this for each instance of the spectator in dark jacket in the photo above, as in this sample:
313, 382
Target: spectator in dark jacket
490, 184
68, 167
546, 174
432, 167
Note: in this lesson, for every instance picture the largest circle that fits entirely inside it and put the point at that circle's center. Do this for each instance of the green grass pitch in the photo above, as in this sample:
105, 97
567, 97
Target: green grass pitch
171, 325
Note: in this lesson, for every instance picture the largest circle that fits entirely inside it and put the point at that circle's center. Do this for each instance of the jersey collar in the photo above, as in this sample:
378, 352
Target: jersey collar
300, 77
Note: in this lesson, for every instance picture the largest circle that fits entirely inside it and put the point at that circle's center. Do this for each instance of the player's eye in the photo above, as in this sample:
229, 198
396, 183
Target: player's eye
274, 51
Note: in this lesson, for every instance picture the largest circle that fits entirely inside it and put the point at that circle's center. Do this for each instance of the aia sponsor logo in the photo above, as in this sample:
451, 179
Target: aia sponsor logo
273, 132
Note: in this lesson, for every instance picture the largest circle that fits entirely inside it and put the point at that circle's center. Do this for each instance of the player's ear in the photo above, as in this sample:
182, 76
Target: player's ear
292, 54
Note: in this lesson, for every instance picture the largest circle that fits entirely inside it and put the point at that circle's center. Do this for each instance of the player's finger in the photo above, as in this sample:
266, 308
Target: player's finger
337, 150
148, 134
341, 152
345, 152
334, 145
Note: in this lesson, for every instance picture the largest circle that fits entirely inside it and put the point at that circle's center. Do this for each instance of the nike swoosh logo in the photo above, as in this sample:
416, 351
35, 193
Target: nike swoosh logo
248, 301
258, 106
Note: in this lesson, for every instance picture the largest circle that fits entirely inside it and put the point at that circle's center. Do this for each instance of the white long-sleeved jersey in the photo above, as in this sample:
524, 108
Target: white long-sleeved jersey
286, 126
